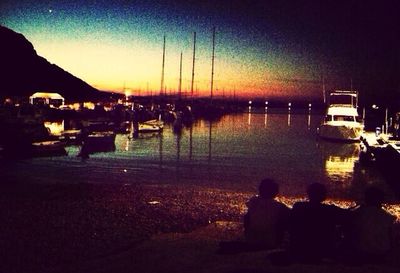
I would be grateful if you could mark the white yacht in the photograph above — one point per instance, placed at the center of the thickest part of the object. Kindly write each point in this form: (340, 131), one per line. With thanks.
(342, 122)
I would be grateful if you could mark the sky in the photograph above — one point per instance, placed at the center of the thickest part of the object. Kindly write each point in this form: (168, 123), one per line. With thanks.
(262, 48)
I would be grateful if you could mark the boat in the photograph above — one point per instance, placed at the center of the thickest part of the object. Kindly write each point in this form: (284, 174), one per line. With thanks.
(48, 148)
(383, 152)
(98, 125)
(24, 137)
(123, 128)
(96, 142)
(71, 137)
(150, 126)
(342, 122)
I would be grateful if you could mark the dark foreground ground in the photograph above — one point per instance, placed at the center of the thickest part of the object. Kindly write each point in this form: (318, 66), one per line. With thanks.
(128, 228)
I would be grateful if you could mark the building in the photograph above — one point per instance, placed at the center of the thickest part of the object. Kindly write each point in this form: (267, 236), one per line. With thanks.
(51, 99)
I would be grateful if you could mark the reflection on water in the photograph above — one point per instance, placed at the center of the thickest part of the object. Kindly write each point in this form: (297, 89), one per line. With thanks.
(238, 150)
(235, 152)
(249, 116)
(266, 117)
(339, 160)
(55, 127)
(190, 142)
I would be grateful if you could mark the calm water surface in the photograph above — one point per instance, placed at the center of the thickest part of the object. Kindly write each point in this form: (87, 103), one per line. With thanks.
(235, 152)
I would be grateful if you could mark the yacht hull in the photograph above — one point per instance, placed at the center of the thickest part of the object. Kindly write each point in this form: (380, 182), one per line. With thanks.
(340, 132)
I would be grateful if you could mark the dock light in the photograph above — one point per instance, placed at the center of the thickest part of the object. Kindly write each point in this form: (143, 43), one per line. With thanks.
(266, 102)
(309, 105)
(374, 106)
(250, 102)
(289, 104)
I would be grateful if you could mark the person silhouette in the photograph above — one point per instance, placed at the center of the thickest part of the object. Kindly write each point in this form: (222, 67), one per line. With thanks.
(264, 223)
(313, 233)
(371, 229)
(266, 219)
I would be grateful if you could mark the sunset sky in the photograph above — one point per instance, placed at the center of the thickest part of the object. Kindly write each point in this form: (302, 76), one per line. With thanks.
(262, 48)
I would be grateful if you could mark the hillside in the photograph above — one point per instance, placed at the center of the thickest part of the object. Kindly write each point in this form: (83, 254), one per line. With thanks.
(23, 72)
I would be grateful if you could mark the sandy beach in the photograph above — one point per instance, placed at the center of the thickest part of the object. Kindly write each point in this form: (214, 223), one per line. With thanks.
(131, 228)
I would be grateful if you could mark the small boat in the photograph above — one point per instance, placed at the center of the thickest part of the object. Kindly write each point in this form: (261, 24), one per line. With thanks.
(97, 142)
(342, 122)
(71, 137)
(382, 151)
(123, 128)
(150, 126)
(48, 148)
(98, 125)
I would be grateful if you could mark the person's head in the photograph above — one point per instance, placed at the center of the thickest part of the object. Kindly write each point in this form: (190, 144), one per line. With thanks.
(373, 196)
(316, 192)
(268, 188)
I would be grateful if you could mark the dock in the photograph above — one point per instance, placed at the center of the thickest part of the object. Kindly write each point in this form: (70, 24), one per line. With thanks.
(383, 151)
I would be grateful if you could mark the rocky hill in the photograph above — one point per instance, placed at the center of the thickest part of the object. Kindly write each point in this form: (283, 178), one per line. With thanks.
(23, 72)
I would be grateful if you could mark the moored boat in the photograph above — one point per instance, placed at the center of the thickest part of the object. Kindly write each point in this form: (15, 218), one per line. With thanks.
(149, 126)
(96, 142)
(48, 148)
(71, 137)
(342, 122)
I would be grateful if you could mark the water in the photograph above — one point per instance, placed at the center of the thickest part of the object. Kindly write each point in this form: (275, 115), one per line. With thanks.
(235, 153)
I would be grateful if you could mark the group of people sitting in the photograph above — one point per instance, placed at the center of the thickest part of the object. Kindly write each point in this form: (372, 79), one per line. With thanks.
(313, 231)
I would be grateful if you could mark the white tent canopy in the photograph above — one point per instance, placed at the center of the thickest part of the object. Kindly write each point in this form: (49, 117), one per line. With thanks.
(46, 96)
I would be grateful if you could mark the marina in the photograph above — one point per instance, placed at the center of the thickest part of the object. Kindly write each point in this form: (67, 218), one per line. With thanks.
(201, 136)
(197, 183)
(282, 143)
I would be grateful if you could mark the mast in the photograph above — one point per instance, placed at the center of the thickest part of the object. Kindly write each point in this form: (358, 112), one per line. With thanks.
(351, 84)
(180, 78)
(323, 89)
(212, 64)
(194, 58)
(162, 71)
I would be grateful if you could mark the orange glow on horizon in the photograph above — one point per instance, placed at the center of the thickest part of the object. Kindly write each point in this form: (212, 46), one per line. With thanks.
(136, 65)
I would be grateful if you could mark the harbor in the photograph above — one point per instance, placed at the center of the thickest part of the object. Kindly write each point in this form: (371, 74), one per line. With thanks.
(201, 136)
(177, 186)
(118, 192)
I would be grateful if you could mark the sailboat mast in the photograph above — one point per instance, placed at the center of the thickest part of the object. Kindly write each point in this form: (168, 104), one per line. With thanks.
(194, 59)
(180, 78)
(212, 64)
(351, 84)
(323, 89)
(162, 71)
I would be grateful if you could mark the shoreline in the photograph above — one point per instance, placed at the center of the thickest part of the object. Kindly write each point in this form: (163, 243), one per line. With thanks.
(48, 226)
(44, 225)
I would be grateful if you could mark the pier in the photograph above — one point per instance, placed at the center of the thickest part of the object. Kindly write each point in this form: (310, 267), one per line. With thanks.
(383, 152)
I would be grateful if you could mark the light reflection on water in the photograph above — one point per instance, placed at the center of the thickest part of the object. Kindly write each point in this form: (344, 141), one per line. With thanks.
(235, 152)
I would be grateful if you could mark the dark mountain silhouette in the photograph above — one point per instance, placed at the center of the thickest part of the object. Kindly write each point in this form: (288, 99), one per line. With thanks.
(23, 72)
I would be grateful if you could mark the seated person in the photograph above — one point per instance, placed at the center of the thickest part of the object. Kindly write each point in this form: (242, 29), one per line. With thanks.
(371, 229)
(265, 222)
(313, 226)
(266, 219)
